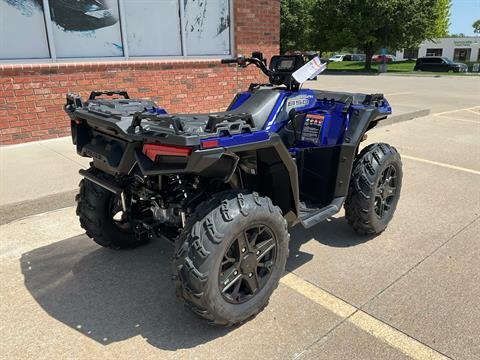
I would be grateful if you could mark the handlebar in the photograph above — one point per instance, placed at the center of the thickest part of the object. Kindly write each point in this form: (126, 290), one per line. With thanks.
(229, 61)
(244, 62)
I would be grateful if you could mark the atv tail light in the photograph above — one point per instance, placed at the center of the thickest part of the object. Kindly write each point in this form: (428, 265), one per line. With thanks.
(208, 144)
(152, 151)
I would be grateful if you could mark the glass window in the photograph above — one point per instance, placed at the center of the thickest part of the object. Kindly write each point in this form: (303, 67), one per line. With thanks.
(75, 29)
(207, 27)
(153, 27)
(432, 60)
(22, 30)
(434, 52)
(462, 54)
(410, 53)
(87, 28)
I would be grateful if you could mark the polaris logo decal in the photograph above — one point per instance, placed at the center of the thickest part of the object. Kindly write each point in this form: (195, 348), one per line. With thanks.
(299, 101)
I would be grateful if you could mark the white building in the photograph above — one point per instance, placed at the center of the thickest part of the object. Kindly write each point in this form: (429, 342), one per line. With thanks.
(456, 49)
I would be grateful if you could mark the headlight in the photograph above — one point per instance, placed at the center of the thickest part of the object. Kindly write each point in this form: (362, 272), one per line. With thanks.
(99, 14)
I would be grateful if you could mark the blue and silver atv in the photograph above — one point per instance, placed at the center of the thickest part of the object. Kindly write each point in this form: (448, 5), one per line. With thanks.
(226, 186)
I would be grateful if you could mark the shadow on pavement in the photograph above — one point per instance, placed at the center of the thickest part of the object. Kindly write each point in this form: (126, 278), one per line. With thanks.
(334, 232)
(111, 296)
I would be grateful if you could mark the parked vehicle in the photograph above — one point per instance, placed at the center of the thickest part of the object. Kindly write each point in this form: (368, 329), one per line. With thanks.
(338, 58)
(347, 57)
(225, 187)
(437, 63)
(382, 58)
(358, 57)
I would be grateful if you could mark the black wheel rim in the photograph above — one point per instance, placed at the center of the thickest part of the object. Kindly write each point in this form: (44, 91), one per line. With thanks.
(247, 264)
(386, 191)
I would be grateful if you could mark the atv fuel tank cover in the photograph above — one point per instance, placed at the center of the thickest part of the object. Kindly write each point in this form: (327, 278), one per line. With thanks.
(301, 102)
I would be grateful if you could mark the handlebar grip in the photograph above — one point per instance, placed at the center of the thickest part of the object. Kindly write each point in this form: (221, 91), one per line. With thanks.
(229, 61)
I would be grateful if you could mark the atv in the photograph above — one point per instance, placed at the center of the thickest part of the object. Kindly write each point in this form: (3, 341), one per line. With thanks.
(225, 187)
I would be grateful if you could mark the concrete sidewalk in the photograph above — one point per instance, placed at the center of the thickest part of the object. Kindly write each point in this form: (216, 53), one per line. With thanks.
(33, 170)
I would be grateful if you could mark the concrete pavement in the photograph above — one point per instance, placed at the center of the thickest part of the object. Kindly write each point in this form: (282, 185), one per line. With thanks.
(33, 170)
(411, 292)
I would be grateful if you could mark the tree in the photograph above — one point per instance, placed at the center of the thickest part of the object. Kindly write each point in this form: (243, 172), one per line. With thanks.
(296, 25)
(476, 27)
(373, 24)
(441, 13)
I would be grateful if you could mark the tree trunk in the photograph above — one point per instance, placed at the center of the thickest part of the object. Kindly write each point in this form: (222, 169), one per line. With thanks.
(368, 56)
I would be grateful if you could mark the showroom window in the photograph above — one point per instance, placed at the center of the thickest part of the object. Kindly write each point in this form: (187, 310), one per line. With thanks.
(62, 29)
(434, 52)
(462, 54)
(410, 53)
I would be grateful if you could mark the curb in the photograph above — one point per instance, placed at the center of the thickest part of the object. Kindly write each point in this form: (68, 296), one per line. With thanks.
(393, 119)
(346, 72)
(18, 210)
(404, 74)
(430, 75)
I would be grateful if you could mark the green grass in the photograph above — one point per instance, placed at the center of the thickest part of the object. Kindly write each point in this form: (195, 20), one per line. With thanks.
(358, 66)
(393, 67)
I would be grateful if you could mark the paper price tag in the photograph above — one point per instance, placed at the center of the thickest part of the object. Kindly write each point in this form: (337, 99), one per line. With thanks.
(309, 70)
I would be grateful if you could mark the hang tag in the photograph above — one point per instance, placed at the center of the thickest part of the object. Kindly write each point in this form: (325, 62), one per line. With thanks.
(309, 70)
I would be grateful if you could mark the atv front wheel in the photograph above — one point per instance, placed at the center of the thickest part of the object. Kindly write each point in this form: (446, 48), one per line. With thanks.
(99, 211)
(374, 189)
(230, 257)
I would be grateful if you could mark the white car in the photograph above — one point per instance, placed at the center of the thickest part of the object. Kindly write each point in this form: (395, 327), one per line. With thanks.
(336, 58)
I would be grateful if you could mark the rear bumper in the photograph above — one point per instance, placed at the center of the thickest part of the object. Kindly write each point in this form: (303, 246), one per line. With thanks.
(107, 185)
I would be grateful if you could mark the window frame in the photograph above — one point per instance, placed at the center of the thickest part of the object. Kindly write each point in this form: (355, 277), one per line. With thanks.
(434, 52)
(126, 56)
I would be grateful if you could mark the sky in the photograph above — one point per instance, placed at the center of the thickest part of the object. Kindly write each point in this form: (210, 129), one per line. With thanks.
(463, 14)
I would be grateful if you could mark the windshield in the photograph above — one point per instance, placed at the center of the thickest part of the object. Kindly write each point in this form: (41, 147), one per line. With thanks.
(336, 56)
(448, 61)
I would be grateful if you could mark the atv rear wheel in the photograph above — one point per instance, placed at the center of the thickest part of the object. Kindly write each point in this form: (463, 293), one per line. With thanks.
(374, 189)
(99, 211)
(230, 257)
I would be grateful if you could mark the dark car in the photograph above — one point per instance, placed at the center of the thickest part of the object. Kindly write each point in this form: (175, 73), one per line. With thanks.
(437, 63)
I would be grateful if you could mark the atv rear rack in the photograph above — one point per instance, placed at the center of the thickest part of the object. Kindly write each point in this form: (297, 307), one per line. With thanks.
(223, 124)
(170, 124)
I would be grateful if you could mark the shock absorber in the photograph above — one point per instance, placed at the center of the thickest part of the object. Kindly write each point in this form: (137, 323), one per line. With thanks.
(180, 189)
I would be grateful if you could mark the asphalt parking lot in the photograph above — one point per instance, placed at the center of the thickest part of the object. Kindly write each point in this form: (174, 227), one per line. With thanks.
(412, 292)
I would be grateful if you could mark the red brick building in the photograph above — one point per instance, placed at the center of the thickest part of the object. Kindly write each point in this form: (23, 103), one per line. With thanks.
(34, 79)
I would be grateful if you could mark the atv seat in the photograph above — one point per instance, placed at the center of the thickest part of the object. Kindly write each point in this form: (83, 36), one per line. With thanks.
(257, 107)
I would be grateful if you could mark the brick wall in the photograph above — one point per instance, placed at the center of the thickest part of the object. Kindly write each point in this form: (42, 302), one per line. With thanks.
(32, 95)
